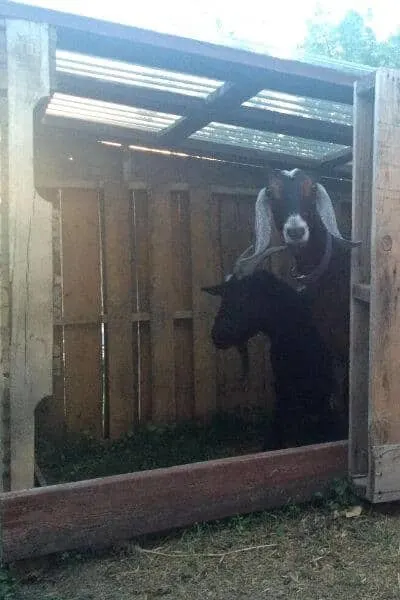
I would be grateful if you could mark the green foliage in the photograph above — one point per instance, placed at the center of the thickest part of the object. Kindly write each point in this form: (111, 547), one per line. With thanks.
(8, 587)
(340, 495)
(352, 39)
(151, 446)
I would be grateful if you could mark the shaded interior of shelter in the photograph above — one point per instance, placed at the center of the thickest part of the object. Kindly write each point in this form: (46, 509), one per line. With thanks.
(121, 150)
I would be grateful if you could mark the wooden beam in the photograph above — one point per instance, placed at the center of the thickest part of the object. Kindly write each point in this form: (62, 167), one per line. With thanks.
(339, 157)
(195, 147)
(218, 104)
(100, 512)
(304, 127)
(86, 35)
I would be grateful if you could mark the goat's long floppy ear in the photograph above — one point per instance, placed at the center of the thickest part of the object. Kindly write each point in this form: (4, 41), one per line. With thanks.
(247, 263)
(328, 217)
(214, 290)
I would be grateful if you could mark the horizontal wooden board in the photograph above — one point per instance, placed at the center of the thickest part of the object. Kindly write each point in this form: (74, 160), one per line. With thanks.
(99, 512)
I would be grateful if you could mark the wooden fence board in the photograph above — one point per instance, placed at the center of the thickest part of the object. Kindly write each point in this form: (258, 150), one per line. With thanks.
(161, 302)
(182, 301)
(121, 370)
(141, 250)
(81, 253)
(181, 251)
(99, 512)
(206, 270)
(143, 339)
(82, 302)
(184, 383)
(83, 398)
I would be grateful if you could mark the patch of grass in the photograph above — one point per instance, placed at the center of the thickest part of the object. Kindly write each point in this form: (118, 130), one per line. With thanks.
(149, 447)
(294, 553)
(8, 586)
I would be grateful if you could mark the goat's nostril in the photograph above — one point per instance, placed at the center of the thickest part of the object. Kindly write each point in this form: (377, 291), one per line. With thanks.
(296, 233)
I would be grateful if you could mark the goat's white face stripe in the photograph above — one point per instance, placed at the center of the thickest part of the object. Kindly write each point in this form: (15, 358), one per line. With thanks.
(291, 174)
(293, 222)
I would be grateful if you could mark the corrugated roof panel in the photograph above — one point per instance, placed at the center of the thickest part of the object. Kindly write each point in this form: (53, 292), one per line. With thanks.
(221, 133)
(301, 106)
(97, 111)
(134, 75)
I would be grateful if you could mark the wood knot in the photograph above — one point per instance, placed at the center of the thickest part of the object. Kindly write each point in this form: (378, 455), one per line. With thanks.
(386, 243)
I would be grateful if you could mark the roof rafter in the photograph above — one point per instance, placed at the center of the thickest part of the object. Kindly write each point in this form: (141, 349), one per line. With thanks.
(187, 106)
(230, 95)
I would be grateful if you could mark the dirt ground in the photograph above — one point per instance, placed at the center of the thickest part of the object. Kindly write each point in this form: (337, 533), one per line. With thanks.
(295, 553)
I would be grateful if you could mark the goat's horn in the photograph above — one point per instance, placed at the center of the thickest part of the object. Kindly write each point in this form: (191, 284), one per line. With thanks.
(328, 217)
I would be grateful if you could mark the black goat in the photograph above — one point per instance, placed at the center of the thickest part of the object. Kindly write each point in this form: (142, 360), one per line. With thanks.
(301, 362)
(302, 211)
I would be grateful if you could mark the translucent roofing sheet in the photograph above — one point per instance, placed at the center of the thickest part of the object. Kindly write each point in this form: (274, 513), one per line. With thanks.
(265, 141)
(74, 107)
(303, 107)
(134, 75)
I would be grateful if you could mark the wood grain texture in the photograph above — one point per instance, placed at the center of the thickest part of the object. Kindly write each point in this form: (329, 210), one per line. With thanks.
(29, 220)
(206, 270)
(121, 369)
(81, 253)
(385, 273)
(360, 276)
(99, 512)
(161, 303)
(82, 374)
(81, 268)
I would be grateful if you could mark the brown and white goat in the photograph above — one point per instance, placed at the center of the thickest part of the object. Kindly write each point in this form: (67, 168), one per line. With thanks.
(302, 212)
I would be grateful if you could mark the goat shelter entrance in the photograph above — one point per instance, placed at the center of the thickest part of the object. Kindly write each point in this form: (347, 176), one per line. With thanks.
(141, 165)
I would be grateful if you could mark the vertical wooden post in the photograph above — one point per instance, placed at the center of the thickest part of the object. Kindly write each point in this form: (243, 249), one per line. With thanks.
(384, 394)
(360, 279)
(30, 245)
(4, 276)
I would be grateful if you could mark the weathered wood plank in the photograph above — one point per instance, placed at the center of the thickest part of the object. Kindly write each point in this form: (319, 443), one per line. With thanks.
(184, 380)
(385, 466)
(121, 370)
(162, 302)
(82, 302)
(384, 417)
(182, 304)
(83, 394)
(141, 301)
(99, 512)
(206, 270)
(360, 276)
(29, 55)
(361, 292)
(81, 254)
